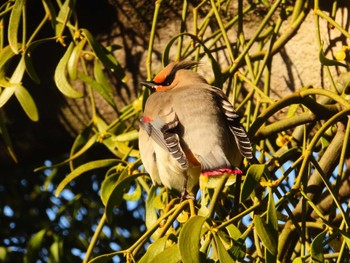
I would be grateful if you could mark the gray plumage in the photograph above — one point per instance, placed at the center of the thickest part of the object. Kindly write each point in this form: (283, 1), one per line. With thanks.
(188, 127)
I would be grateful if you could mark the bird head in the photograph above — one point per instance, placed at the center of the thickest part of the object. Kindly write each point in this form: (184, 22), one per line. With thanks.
(171, 75)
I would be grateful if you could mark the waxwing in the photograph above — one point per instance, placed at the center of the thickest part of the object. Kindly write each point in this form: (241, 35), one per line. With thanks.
(189, 128)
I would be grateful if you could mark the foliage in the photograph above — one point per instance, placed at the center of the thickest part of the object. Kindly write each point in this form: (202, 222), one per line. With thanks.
(292, 204)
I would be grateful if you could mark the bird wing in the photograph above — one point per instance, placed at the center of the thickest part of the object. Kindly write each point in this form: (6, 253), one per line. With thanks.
(238, 131)
(164, 134)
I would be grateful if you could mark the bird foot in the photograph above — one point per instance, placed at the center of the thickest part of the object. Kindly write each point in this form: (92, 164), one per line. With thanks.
(185, 195)
(221, 171)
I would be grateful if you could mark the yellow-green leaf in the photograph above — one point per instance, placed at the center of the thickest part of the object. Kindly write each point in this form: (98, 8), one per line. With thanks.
(154, 249)
(105, 56)
(151, 211)
(125, 149)
(168, 255)
(253, 176)
(7, 139)
(271, 218)
(116, 196)
(5, 55)
(50, 11)
(135, 195)
(28, 58)
(292, 110)
(62, 17)
(299, 260)
(266, 234)
(98, 87)
(128, 136)
(81, 141)
(27, 103)
(82, 169)
(189, 240)
(5, 95)
(60, 75)
(317, 247)
(72, 65)
(101, 77)
(13, 83)
(108, 186)
(106, 257)
(15, 19)
(224, 256)
(237, 249)
(34, 246)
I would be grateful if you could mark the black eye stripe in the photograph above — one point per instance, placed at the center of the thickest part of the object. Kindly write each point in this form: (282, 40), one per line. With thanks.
(169, 79)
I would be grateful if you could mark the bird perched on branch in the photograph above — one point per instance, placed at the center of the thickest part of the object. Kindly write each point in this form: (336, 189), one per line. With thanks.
(189, 128)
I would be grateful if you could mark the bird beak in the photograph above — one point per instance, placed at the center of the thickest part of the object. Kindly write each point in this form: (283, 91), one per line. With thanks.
(149, 84)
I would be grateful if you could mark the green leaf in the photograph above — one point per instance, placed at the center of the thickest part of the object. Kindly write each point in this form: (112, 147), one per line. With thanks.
(14, 82)
(81, 140)
(28, 58)
(151, 211)
(105, 56)
(253, 176)
(266, 234)
(34, 246)
(6, 54)
(72, 64)
(271, 218)
(74, 154)
(13, 25)
(233, 231)
(60, 75)
(106, 257)
(17, 75)
(116, 196)
(237, 249)
(128, 136)
(108, 185)
(101, 77)
(98, 87)
(189, 239)
(224, 256)
(5, 95)
(168, 255)
(3, 254)
(317, 247)
(56, 250)
(272, 223)
(7, 139)
(292, 110)
(299, 260)
(50, 10)
(27, 103)
(62, 17)
(82, 169)
(119, 146)
(159, 201)
(134, 195)
(154, 249)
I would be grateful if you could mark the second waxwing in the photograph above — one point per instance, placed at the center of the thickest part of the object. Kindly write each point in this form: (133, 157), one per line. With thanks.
(189, 128)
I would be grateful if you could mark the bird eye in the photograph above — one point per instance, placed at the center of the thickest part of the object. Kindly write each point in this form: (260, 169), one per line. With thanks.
(168, 80)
